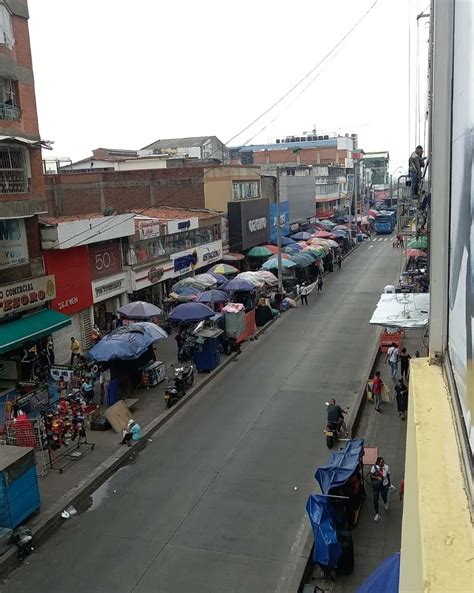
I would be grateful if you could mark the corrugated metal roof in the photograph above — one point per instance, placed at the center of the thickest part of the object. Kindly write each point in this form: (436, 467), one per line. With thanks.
(292, 145)
(178, 142)
(161, 212)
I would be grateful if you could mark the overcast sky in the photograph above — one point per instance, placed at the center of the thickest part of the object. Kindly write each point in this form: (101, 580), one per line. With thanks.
(123, 73)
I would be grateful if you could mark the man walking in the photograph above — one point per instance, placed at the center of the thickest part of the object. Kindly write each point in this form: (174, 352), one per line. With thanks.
(404, 363)
(75, 349)
(380, 479)
(377, 386)
(320, 283)
(393, 354)
(415, 166)
(339, 260)
(304, 294)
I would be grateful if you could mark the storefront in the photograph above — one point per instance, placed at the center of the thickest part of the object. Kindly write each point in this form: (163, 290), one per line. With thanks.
(152, 284)
(109, 283)
(73, 298)
(249, 224)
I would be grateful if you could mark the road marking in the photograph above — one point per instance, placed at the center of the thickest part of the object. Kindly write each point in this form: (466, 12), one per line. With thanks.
(370, 246)
(385, 239)
(380, 239)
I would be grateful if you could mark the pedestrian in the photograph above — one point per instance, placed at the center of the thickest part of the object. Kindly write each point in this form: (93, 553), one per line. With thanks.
(401, 392)
(377, 386)
(339, 261)
(75, 349)
(88, 390)
(50, 350)
(393, 354)
(95, 334)
(401, 241)
(404, 363)
(133, 432)
(304, 294)
(415, 166)
(380, 479)
(44, 363)
(320, 283)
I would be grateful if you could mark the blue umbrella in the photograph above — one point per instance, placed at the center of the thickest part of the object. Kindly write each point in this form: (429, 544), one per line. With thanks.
(127, 342)
(327, 549)
(339, 233)
(291, 249)
(385, 577)
(187, 291)
(213, 296)
(238, 284)
(302, 236)
(285, 241)
(221, 279)
(189, 312)
(139, 310)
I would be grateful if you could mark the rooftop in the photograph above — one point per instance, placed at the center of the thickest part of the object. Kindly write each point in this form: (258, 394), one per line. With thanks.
(166, 213)
(178, 142)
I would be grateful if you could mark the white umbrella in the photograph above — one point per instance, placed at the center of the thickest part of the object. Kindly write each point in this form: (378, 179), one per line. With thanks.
(268, 277)
(207, 279)
(252, 277)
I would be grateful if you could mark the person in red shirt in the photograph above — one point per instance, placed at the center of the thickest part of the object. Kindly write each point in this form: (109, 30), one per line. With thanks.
(377, 387)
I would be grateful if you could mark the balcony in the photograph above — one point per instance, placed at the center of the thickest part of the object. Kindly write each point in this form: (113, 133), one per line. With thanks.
(9, 112)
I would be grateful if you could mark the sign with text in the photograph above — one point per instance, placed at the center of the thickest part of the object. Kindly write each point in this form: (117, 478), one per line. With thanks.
(13, 242)
(248, 223)
(181, 226)
(284, 220)
(147, 227)
(73, 278)
(109, 287)
(26, 294)
(105, 259)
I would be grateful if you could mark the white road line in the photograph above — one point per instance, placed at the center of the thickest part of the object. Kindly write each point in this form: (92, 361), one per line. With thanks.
(385, 239)
(380, 239)
(370, 246)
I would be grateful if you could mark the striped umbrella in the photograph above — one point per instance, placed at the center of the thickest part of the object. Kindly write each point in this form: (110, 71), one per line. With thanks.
(224, 269)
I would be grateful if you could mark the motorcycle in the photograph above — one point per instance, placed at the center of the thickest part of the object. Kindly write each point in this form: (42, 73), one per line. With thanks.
(332, 431)
(183, 379)
(22, 538)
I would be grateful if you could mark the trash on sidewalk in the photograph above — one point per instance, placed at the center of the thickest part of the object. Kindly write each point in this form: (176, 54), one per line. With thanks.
(71, 510)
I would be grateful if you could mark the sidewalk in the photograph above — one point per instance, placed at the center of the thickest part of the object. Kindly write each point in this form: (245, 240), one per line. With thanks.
(373, 542)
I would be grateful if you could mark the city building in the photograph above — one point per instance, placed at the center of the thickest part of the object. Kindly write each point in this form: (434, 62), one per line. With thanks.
(199, 147)
(376, 165)
(437, 542)
(25, 288)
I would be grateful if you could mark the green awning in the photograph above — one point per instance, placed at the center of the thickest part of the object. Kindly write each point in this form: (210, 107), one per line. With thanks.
(32, 327)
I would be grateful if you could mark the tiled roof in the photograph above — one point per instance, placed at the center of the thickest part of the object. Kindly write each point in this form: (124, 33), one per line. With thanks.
(70, 218)
(178, 142)
(161, 212)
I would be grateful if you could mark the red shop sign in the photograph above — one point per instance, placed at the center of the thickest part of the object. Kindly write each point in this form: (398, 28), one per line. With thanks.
(105, 259)
(73, 278)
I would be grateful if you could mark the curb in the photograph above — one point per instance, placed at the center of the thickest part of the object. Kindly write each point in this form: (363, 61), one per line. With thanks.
(50, 518)
(300, 563)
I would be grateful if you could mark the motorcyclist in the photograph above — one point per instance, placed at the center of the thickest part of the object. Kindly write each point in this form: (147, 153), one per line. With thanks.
(336, 415)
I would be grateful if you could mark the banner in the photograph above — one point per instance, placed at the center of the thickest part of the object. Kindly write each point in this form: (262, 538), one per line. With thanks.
(27, 294)
(13, 243)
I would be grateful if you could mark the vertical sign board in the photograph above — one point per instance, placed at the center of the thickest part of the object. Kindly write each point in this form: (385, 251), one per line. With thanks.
(284, 220)
(105, 259)
(249, 223)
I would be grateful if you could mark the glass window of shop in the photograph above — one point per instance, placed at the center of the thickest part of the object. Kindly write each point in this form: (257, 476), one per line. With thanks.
(143, 251)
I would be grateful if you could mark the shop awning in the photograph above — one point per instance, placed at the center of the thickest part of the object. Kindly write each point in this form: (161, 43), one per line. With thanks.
(402, 310)
(32, 327)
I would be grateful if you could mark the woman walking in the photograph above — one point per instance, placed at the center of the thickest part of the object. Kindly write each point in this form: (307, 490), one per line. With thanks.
(380, 478)
(401, 391)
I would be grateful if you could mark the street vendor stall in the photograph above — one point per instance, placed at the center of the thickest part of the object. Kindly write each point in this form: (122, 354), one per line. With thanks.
(206, 354)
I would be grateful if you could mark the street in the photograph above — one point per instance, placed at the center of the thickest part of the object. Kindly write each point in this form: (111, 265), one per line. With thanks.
(216, 499)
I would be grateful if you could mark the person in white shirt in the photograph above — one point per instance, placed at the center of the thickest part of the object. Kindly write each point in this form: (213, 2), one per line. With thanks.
(393, 356)
(380, 478)
(303, 292)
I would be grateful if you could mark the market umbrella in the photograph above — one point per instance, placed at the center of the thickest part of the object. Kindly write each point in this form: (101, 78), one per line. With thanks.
(213, 296)
(420, 243)
(340, 227)
(139, 310)
(340, 233)
(321, 234)
(272, 264)
(189, 312)
(302, 261)
(268, 277)
(224, 269)
(291, 249)
(260, 251)
(233, 257)
(327, 548)
(318, 250)
(328, 223)
(415, 253)
(309, 254)
(207, 279)
(238, 284)
(191, 282)
(273, 248)
(302, 236)
(332, 243)
(187, 291)
(219, 277)
(127, 342)
(287, 241)
(386, 577)
(253, 277)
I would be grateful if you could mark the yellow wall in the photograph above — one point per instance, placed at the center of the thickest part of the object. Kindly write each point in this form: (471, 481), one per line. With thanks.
(437, 554)
(218, 184)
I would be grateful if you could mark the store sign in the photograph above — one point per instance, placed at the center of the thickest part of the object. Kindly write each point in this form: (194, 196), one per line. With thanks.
(284, 220)
(13, 242)
(181, 226)
(8, 370)
(155, 274)
(148, 228)
(27, 294)
(248, 223)
(73, 278)
(105, 259)
(212, 255)
(110, 287)
(185, 261)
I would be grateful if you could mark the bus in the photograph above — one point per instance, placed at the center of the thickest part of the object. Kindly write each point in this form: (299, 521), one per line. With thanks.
(385, 222)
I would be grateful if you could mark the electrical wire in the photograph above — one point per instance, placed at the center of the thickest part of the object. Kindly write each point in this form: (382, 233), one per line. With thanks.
(328, 55)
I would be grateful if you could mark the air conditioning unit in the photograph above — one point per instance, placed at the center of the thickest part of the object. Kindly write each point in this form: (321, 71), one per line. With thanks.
(326, 138)
(320, 137)
(278, 140)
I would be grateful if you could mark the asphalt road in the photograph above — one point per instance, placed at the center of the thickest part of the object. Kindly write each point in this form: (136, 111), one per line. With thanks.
(216, 500)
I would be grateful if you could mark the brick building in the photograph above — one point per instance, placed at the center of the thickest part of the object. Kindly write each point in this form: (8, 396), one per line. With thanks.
(25, 290)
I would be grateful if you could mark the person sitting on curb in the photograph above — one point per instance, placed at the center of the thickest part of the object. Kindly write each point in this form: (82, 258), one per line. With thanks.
(133, 432)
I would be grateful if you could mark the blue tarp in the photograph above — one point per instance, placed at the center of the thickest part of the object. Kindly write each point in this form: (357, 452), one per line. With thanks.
(327, 548)
(340, 467)
(385, 577)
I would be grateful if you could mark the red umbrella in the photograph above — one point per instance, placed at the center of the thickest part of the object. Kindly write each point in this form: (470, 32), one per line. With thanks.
(272, 248)
(322, 234)
(415, 253)
(232, 257)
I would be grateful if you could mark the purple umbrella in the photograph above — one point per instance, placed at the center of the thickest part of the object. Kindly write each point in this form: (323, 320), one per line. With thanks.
(286, 241)
(139, 310)
(189, 312)
(213, 296)
(221, 279)
(238, 284)
(302, 236)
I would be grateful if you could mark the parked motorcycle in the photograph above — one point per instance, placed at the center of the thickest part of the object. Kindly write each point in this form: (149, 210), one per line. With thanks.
(333, 430)
(22, 539)
(183, 379)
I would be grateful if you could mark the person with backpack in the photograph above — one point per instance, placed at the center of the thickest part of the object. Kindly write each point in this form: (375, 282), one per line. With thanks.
(393, 356)
(380, 479)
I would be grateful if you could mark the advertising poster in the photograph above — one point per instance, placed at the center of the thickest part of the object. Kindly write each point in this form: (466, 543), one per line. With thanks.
(13, 242)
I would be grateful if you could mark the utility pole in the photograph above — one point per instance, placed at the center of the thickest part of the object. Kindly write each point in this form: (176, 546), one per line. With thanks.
(280, 265)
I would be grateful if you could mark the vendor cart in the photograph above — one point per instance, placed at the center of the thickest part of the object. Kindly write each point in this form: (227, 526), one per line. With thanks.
(206, 354)
(151, 374)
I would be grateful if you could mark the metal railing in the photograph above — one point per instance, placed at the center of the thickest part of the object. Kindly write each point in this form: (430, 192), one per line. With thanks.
(9, 112)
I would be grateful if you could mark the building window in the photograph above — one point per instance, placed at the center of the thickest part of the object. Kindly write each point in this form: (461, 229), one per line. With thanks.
(13, 170)
(9, 109)
(6, 30)
(291, 172)
(244, 190)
